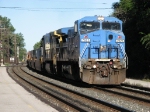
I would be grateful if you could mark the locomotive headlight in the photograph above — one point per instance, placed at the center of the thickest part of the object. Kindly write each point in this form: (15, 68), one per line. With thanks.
(94, 66)
(110, 37)
(100, 18)
(115, 66)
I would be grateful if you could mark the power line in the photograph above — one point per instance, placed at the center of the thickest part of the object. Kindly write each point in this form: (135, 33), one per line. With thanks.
(11, 7)
(55, 9)
(76, 2)
(50, 8)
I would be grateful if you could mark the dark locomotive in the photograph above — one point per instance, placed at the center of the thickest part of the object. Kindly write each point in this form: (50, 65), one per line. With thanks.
(93, 51)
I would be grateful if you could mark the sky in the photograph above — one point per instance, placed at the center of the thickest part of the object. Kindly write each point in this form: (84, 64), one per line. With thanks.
(35, 18)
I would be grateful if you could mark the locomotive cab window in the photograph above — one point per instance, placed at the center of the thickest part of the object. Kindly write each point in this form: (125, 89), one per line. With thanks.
(111, 26)
(86, 27)
(47, 38)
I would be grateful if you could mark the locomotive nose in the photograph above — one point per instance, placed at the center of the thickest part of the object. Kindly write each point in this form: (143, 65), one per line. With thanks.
(98, 45)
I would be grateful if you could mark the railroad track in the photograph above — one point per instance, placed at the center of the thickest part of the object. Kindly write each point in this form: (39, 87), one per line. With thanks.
(135, 87)
(67, 99)
(138, 100)
(142, 96)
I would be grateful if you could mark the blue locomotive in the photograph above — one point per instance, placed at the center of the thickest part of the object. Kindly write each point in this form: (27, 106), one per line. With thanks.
(93, 51)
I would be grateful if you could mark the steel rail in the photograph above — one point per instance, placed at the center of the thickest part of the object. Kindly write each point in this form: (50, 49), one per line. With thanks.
(125, 95)
(133, 90)
(119, 108)
(136, 87)
(49, 91)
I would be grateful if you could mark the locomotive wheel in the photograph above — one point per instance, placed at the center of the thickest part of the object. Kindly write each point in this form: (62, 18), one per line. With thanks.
(54, 69)
(59, 69)
(75, 71)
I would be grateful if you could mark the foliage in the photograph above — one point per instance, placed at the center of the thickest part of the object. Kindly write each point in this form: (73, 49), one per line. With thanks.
(10, 39)
(20, 40)
(7, 23)
(23, 53)
(146, 40)
(37, 45)
(135, 14)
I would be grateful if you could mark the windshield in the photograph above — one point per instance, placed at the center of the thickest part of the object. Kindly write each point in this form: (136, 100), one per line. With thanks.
(111, 26)
(86, 27)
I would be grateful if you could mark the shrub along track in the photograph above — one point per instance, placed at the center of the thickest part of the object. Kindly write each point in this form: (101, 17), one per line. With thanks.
(61, 98)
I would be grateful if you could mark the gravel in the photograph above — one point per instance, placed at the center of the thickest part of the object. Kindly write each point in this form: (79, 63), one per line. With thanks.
(97, 95)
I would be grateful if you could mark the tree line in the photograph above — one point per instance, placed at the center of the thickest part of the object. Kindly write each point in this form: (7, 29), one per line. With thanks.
(9, 40)
(135, 15)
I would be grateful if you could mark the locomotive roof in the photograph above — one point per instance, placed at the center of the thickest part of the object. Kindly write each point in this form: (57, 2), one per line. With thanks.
(62, 31)
(95, 18)
(46, 35)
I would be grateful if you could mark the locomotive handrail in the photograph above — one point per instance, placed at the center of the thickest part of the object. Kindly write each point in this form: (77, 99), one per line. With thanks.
(83, 50)
(125, 55)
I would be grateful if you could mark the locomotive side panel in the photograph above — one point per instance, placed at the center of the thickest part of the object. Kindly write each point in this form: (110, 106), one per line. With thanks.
(29, 58)
(38, 59)
(33, 59)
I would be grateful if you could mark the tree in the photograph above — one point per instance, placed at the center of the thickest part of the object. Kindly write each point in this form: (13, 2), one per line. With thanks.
(146, 40)
(135, 14)
(7, 23)
(37, 45)
(9, 39)
(23, 54)
(20, 43)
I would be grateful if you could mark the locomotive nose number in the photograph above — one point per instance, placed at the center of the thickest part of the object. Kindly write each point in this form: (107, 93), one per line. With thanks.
(119, 40)
(85, 40)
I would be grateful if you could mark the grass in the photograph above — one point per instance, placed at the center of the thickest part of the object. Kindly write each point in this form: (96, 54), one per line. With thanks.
(142, 77)
(133, 84)
(147, 80)
(6, 64)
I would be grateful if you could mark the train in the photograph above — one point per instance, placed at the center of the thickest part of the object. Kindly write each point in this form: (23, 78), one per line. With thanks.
(92, 50)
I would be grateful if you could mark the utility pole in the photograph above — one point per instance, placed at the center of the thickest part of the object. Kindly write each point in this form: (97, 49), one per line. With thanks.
(8, 49)
(7, 46)
(0, 44)
(15, 51)
(2, 28)
(17, 54)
